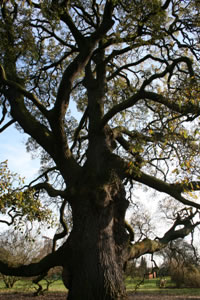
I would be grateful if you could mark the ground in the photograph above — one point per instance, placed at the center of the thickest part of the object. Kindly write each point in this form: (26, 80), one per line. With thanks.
(62, 296)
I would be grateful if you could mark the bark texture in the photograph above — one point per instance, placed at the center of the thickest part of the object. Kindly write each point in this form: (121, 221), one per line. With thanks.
(96, 243)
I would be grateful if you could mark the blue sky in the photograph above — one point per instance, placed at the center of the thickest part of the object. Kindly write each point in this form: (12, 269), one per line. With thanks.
(12, 148)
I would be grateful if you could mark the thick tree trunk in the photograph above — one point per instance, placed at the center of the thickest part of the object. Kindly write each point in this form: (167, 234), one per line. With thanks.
(95, 259)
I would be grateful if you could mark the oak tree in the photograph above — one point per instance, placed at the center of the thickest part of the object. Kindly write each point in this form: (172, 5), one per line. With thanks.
(131, 70)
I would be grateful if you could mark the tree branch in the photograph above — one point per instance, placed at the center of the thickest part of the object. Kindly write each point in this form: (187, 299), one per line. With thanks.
(166, 4)
(142, 94)
(13, 217)
(187, 186)
(86, 50)
(64, 225)
(44, 174)
(134, 134)
(44, 137)
(121, 106)
(22, 91)
(78, 129)
(79, 38)
(169, 69)
(34, 269)
(183, 108)
(49, 189)
(126, 66)
(106, 23)
(150, 246)
(7, 125)
(172, 190)
(30, 125)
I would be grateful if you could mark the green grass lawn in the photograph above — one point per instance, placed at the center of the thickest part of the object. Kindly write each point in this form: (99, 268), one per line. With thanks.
(28, 286)
(150, 286)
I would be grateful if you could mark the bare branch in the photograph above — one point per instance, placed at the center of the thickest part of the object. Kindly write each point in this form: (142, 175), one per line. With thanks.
(7, 125)
(78, 129)
(13, 217)
(49, 189)
(166, 4)
(161, 186)
(64, 225)
(152, 246)
(44, 174)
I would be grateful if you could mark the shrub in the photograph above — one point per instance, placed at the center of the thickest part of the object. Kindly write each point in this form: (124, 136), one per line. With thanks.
(187, 276)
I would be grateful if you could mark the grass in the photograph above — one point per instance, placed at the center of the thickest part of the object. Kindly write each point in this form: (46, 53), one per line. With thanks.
(27, 286)
(150, 286)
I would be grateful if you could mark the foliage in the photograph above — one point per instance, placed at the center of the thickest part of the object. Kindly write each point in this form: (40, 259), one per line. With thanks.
(129, 72)
(181, 263)
(185, 276)
(17, 202)
(137, 268)
(17, 248)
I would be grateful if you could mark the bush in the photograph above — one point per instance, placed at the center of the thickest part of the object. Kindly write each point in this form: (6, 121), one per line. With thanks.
(192, 277)
(177, 275)
(187, 276)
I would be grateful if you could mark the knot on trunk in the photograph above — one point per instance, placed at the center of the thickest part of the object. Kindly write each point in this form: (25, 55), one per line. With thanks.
(103, 196)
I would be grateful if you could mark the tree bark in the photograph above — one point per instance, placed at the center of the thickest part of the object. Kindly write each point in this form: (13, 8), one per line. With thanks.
(94, 268)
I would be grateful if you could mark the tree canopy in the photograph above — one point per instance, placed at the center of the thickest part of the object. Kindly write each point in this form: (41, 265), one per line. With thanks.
(108, 92)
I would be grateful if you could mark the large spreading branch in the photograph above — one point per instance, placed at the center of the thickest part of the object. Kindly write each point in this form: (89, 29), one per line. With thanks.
(173, 190)
(151, 246)
(183, 108)
(144, 94)
(86, 47)
(34, 269)
(43, 136)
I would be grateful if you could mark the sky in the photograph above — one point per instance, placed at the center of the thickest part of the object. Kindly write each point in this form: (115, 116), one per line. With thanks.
(13, 149)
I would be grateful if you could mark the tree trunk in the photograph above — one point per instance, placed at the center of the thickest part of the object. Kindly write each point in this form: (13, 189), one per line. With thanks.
(95, 260)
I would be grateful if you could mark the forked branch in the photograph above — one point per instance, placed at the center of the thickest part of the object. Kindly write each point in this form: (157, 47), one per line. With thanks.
(152, 246)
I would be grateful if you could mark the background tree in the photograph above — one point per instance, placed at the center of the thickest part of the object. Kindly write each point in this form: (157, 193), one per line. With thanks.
(143, 268)
(131, 69)
(24, 247)
(181, 262)
(18, 248)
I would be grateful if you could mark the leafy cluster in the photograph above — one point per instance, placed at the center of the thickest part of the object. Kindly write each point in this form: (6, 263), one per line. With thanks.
(17, 202)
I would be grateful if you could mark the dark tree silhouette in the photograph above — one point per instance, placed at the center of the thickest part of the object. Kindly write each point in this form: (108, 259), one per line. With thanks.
(131, 68)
